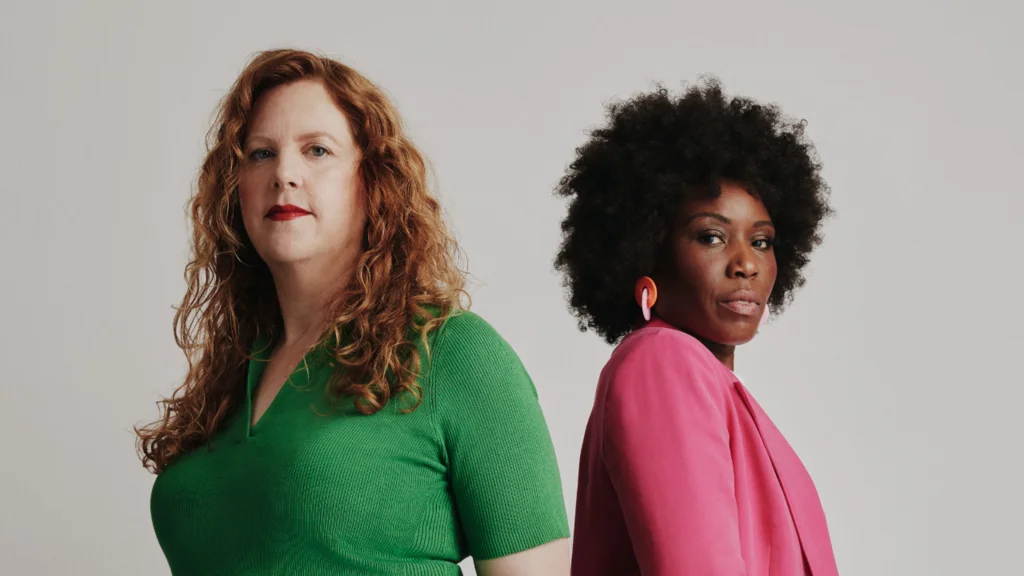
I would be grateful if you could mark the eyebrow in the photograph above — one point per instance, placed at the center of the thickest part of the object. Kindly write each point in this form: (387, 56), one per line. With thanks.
(724, 220)
(306, 136)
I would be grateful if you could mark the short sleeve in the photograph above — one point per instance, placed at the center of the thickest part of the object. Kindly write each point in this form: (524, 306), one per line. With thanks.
(665, 445)
(501, 460)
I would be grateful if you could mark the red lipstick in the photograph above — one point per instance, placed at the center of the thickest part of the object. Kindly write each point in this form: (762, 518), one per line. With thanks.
(280, 213)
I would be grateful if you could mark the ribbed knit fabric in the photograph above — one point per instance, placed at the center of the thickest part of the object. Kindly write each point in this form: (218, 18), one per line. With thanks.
(309, 491)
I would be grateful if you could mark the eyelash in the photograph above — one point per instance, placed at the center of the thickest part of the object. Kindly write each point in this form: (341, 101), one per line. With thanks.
(254, 155)
(707, 237)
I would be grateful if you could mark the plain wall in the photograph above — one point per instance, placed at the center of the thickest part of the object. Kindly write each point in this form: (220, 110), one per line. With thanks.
(892, 374)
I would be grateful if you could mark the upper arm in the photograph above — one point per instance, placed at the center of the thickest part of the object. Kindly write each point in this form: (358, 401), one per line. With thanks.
(502, 465)
(551, 559)
(666, 449)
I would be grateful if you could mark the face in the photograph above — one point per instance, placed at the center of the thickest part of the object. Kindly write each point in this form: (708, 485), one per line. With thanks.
(721, 268)
(299, 191)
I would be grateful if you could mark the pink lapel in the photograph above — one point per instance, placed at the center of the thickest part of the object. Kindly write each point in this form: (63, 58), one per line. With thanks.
(803, 499)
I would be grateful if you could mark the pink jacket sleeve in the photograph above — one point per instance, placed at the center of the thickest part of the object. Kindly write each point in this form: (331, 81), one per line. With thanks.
(666, 449)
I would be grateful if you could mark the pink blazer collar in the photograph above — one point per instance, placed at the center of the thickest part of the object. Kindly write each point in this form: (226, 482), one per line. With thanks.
(801, 495)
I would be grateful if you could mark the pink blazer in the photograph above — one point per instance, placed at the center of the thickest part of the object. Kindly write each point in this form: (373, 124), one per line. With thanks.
(683, 474)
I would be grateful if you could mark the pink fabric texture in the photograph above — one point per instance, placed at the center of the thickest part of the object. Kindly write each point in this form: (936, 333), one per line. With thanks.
(682, 473)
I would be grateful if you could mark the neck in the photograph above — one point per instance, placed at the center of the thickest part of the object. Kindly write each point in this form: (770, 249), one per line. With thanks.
(725, 353)
(304, 290)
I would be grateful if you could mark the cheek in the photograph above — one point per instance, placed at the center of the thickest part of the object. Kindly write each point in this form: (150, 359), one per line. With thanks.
(692, 300)
(699, 272)
(772, 269)
(249, 197)
(340, 201)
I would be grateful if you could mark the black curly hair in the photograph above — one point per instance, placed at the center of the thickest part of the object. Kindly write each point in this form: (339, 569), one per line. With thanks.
(632, 177)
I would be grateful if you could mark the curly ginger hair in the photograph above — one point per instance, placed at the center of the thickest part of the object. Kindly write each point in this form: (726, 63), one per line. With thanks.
(406, 280)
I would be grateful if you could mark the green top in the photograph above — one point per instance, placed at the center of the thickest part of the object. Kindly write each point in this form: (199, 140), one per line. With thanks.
(471, 471)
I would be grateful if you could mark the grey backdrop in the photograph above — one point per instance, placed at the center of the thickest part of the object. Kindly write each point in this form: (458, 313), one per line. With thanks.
(893, 374)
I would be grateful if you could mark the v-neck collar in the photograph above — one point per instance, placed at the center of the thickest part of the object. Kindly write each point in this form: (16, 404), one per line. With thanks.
(303, 372)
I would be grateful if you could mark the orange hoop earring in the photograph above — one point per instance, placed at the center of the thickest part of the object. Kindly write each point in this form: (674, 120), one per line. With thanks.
(646, 293)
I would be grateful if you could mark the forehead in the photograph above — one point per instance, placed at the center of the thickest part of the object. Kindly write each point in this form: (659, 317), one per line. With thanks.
(734, 202)
(296, 108)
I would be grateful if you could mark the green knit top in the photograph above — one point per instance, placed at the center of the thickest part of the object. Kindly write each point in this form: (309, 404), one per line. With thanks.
(311, 491)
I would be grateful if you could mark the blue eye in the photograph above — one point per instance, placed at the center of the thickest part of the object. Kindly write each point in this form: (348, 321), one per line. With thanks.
(260, 154)
(319, 151)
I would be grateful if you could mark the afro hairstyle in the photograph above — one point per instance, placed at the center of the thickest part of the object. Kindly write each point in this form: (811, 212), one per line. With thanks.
(628, 182)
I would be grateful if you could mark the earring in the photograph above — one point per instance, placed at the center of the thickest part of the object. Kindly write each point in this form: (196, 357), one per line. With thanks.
(767, 313)
(646, 293)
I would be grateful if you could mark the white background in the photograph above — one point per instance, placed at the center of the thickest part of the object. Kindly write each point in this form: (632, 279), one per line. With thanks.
(893, 374)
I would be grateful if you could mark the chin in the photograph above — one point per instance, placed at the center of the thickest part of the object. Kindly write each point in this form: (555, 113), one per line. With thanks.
(735, 335)
(733, 341)
(286, 254)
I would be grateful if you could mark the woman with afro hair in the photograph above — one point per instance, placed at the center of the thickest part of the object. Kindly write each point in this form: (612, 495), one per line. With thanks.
(690, 217)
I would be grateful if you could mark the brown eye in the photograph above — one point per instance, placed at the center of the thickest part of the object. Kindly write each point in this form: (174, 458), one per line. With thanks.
(710, 238)
(764, 243)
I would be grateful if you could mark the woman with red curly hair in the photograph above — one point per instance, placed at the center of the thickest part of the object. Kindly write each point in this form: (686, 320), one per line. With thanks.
(343, 412)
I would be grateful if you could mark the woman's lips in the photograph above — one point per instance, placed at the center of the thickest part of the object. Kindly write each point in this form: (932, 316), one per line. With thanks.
(286, 212)
(741, 307)
(279, 216)
(743, 302)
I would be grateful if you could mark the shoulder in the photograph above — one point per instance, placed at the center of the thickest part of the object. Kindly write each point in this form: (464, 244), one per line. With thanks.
(462, 325)
(664, 347)
(469, 356)
(464, 335)
(661, 362)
